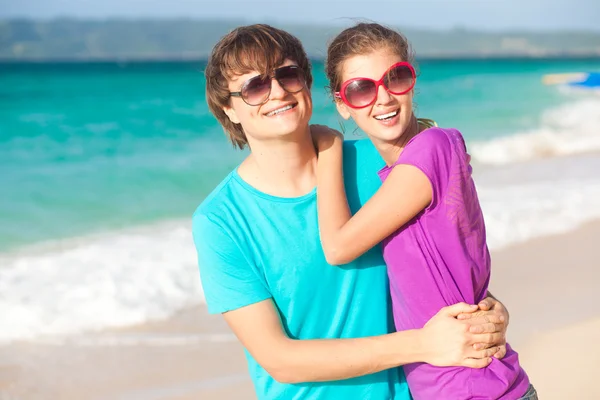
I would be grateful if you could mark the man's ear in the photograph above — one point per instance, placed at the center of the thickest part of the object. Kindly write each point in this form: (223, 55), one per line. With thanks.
(342, 109)
(231, 114)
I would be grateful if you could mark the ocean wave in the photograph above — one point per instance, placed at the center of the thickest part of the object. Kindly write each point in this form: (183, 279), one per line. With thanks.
(517, 213)
(91, 283)
(148, 273)
(572, 128)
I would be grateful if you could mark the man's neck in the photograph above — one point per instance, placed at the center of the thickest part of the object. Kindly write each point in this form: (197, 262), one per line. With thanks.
(282, 168)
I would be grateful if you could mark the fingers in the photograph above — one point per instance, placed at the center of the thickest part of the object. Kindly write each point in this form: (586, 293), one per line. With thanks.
(476, 363)
(485, 353)
(501, 352)
(481, 317)
(488, 327)
(458, 308)
(486, 304)
(484, 317)
(464, 316)
(480, 340)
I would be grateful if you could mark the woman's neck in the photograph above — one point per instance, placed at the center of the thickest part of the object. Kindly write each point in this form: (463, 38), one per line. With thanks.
(390, 151)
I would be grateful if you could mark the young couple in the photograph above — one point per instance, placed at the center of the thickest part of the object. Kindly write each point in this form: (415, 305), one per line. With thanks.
(322, 312)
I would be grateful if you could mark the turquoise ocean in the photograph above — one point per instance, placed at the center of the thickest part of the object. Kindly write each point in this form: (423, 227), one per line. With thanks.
(103, 164)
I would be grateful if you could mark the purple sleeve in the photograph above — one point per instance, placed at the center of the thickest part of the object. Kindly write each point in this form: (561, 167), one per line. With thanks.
(431, 152)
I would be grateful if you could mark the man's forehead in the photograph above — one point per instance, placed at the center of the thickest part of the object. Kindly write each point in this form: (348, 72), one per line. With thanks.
(235, 77)
(242, 76)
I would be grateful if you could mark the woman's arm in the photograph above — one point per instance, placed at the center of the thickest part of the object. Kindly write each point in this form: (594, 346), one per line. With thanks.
(405, 193)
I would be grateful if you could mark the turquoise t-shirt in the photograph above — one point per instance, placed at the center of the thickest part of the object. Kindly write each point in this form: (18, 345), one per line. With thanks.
(253, 246)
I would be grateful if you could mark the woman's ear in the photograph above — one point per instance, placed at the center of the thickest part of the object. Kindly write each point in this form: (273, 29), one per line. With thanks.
(342, 109)
(231, 114)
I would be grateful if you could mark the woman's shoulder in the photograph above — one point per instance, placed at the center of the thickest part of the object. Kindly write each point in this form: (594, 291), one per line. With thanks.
(438, 137)
(436, 145)
(430, 136)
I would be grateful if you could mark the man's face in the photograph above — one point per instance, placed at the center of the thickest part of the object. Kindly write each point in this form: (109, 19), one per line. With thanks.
(281, 117)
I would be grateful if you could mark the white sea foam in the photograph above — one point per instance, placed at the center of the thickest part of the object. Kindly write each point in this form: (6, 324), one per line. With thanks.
(517, 213)
(133, 276)
(524, 200)
(572, 128)
(95, 282)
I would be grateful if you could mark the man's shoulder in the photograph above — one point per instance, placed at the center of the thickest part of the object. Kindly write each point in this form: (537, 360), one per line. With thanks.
(361, 163)
(216, 199)
(361, 152)
(359, 145)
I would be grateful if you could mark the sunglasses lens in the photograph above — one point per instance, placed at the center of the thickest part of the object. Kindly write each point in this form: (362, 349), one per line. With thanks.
(360, 92)
(256, 90)
(290, 78)
(400, 79)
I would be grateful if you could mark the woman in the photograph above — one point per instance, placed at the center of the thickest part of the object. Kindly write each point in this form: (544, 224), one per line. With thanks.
(426, 212)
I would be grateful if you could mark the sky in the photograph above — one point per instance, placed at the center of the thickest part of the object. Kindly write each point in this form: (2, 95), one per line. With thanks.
(532, 15)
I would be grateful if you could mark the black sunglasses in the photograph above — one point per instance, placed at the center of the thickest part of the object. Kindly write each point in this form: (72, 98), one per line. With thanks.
(256, 91)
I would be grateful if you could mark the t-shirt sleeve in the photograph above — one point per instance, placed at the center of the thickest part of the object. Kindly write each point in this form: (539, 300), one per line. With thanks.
(228, 279)
(431, 152)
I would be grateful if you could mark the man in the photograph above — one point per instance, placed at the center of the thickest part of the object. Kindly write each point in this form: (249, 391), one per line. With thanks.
(310, 330)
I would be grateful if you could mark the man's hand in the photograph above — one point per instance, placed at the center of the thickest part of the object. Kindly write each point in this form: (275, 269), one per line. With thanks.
(490, 303)
(324, 138)
(450, 342)
(491, 315)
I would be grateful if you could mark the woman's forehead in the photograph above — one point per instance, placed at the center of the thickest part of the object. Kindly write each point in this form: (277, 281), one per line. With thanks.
(371, 65)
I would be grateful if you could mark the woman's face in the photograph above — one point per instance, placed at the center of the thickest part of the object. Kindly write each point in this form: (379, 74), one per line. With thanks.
(390, 115)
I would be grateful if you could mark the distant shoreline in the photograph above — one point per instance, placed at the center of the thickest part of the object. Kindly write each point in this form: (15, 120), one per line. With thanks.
(76, 40)
(184, 59)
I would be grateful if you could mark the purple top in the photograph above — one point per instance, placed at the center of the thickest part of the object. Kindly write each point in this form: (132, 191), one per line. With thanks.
(440, 258)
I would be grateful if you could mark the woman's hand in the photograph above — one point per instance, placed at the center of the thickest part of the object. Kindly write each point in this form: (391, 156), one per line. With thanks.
(325, 138)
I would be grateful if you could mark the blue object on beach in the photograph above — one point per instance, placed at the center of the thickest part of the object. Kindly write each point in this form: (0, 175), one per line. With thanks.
(592, 81)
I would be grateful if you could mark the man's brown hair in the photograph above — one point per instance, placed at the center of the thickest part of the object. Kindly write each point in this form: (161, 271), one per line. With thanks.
(249, 48)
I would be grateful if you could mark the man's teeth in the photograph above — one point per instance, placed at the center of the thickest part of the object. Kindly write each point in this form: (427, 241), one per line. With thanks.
(386, 116)
(279, 110)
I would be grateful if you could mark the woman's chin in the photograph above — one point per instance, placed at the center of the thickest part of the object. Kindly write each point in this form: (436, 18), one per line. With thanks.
(387, 133)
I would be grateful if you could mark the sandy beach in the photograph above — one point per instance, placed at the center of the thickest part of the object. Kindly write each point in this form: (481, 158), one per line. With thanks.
(548, 284)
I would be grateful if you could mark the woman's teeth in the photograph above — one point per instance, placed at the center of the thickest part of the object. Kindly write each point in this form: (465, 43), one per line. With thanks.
(386, 116)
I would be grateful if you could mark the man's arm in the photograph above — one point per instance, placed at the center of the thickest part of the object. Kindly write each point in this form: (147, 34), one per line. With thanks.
(233, 288)
(444, 341)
